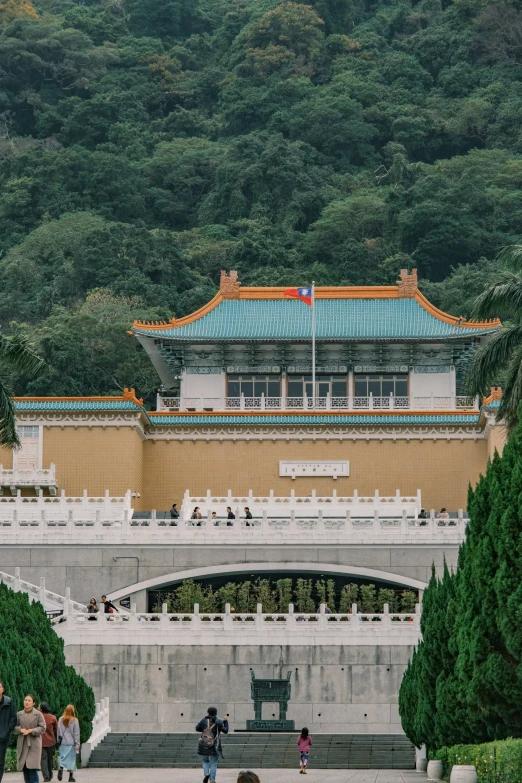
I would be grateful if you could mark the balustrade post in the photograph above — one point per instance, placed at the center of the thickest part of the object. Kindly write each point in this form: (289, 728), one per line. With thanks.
(97, 521)
(320, 523)
(354, 613)
(164, 616)
(133, 620)
(67, 603)
(404, 522)
(242, 402)
(291, 619)
(375, 523)
(196, 619)
(263, 405)
(392, 403)
(283, 401)
(259, 617)
(264, 523)
(16, 586)
(328, 402)
(370, 401)
(305, 402)
(322, 616)
(227, 620)
(386, 620)
(42, 591)
(292, 528)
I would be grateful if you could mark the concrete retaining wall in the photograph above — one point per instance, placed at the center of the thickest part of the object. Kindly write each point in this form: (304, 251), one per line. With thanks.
(353, 689)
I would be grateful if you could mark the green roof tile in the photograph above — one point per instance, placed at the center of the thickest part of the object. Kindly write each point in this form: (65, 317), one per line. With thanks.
(75, 405)
(336, 319)
(326, 418)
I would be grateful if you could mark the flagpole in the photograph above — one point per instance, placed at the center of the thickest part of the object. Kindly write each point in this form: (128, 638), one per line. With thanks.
(313, 344)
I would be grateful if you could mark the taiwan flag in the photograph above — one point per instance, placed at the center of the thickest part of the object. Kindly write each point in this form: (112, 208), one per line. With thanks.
(304, 294)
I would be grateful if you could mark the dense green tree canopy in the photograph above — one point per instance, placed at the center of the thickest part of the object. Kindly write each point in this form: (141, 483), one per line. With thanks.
(464, 683)
(144, 147)
(32, 661)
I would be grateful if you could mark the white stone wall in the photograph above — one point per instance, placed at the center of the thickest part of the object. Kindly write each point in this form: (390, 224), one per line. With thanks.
(440, 384)
(212, 385)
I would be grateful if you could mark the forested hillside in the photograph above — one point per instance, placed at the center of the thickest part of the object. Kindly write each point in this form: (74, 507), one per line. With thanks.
(147, 144)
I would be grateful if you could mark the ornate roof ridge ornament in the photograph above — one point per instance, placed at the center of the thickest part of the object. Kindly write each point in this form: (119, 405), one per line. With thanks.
(229, 285)
(408, 284)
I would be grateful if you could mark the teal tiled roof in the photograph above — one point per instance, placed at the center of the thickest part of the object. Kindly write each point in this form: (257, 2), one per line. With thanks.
(197, 419)
(336, 319)
(75, 405)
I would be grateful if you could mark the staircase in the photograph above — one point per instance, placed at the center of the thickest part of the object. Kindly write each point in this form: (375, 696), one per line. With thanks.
(257, 750)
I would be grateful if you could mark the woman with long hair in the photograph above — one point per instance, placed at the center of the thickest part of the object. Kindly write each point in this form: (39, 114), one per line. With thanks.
(69, 741)
(30, 725)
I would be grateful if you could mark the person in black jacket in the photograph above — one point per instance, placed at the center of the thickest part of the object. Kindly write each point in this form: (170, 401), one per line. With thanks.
(7, 724)
(210, 757)
(230, 517)
(108, 605)
(248, 515)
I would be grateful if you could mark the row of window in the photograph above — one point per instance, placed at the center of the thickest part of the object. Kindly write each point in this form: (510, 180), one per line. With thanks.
(325, 385)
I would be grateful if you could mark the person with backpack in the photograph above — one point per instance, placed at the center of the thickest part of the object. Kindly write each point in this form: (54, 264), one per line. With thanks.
(304, 743)
(209, 747)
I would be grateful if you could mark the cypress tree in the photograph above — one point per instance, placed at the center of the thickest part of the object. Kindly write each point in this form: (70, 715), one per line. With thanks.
(32, 660)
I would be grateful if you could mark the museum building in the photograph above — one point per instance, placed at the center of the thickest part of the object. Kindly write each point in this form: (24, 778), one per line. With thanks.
(236, 408)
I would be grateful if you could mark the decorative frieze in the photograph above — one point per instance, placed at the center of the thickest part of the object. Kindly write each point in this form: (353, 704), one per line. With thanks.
(387, 368)
(259, 368)
(193, 369)
(307, 368)
(431, 368)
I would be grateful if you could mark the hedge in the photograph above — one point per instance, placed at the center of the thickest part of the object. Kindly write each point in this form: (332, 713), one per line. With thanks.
(10, 760)
(495, 762)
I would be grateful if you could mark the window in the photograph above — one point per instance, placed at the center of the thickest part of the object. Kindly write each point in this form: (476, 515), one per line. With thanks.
(254, 385)
(301, 386)
(381, 385)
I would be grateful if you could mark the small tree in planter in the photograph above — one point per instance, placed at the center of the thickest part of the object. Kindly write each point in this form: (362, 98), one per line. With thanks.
(409, 600)
(386, 596)
(303, 593)
(368, 599)
(284, 589)
(349, 596)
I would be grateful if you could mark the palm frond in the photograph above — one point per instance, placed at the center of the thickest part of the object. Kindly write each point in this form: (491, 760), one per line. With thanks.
(491, 358)
(511, 256)
(512, 392)
(8, 436)
(503, 299)
(17, 352)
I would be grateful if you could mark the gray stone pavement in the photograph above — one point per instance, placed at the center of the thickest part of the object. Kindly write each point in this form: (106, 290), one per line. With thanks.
(230, 776)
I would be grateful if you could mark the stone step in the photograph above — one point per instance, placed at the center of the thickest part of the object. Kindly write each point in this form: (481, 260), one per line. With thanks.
(261, 750)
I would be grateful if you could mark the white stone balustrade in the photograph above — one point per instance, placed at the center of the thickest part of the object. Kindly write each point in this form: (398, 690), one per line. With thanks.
(260, 532)
(310, 505)
(62, 511)
(14, 478)
(282, 403)
(250, 628)
(52, 602)
(100, 728)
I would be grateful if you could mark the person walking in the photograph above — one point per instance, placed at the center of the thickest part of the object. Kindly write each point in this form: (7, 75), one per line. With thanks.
(69, 739)
(93, 609)
(230, 517)
(174, 515)
(304, 743)
(248, 515)
(49, 741)
(209, 746)
(7, 724)
(30, 725)
(247, 777)
(108, 606)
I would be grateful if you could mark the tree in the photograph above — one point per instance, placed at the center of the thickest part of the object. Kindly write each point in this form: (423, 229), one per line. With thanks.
(463, 682)
(16, 355)
(504, 351)
(33, 661)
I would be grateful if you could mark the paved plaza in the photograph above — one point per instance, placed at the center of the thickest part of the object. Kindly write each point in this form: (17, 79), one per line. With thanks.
(230, 776)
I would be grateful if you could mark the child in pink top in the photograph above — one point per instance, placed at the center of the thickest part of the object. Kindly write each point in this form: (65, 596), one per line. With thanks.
(304, 743)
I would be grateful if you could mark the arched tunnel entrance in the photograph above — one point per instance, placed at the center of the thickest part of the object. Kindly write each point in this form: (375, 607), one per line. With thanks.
(147, 593)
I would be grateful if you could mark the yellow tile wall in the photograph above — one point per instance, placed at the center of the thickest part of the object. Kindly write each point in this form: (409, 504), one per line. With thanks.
(6, 458)
(442, 470)
(497, 440)
(95, 459)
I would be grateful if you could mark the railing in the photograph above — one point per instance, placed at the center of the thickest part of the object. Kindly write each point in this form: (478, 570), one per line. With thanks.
(246, 628)
(34, 477)
(49, 600)
(64, 512)
(427, 403)
(158, 528)
(100, 728)
(280, 506)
